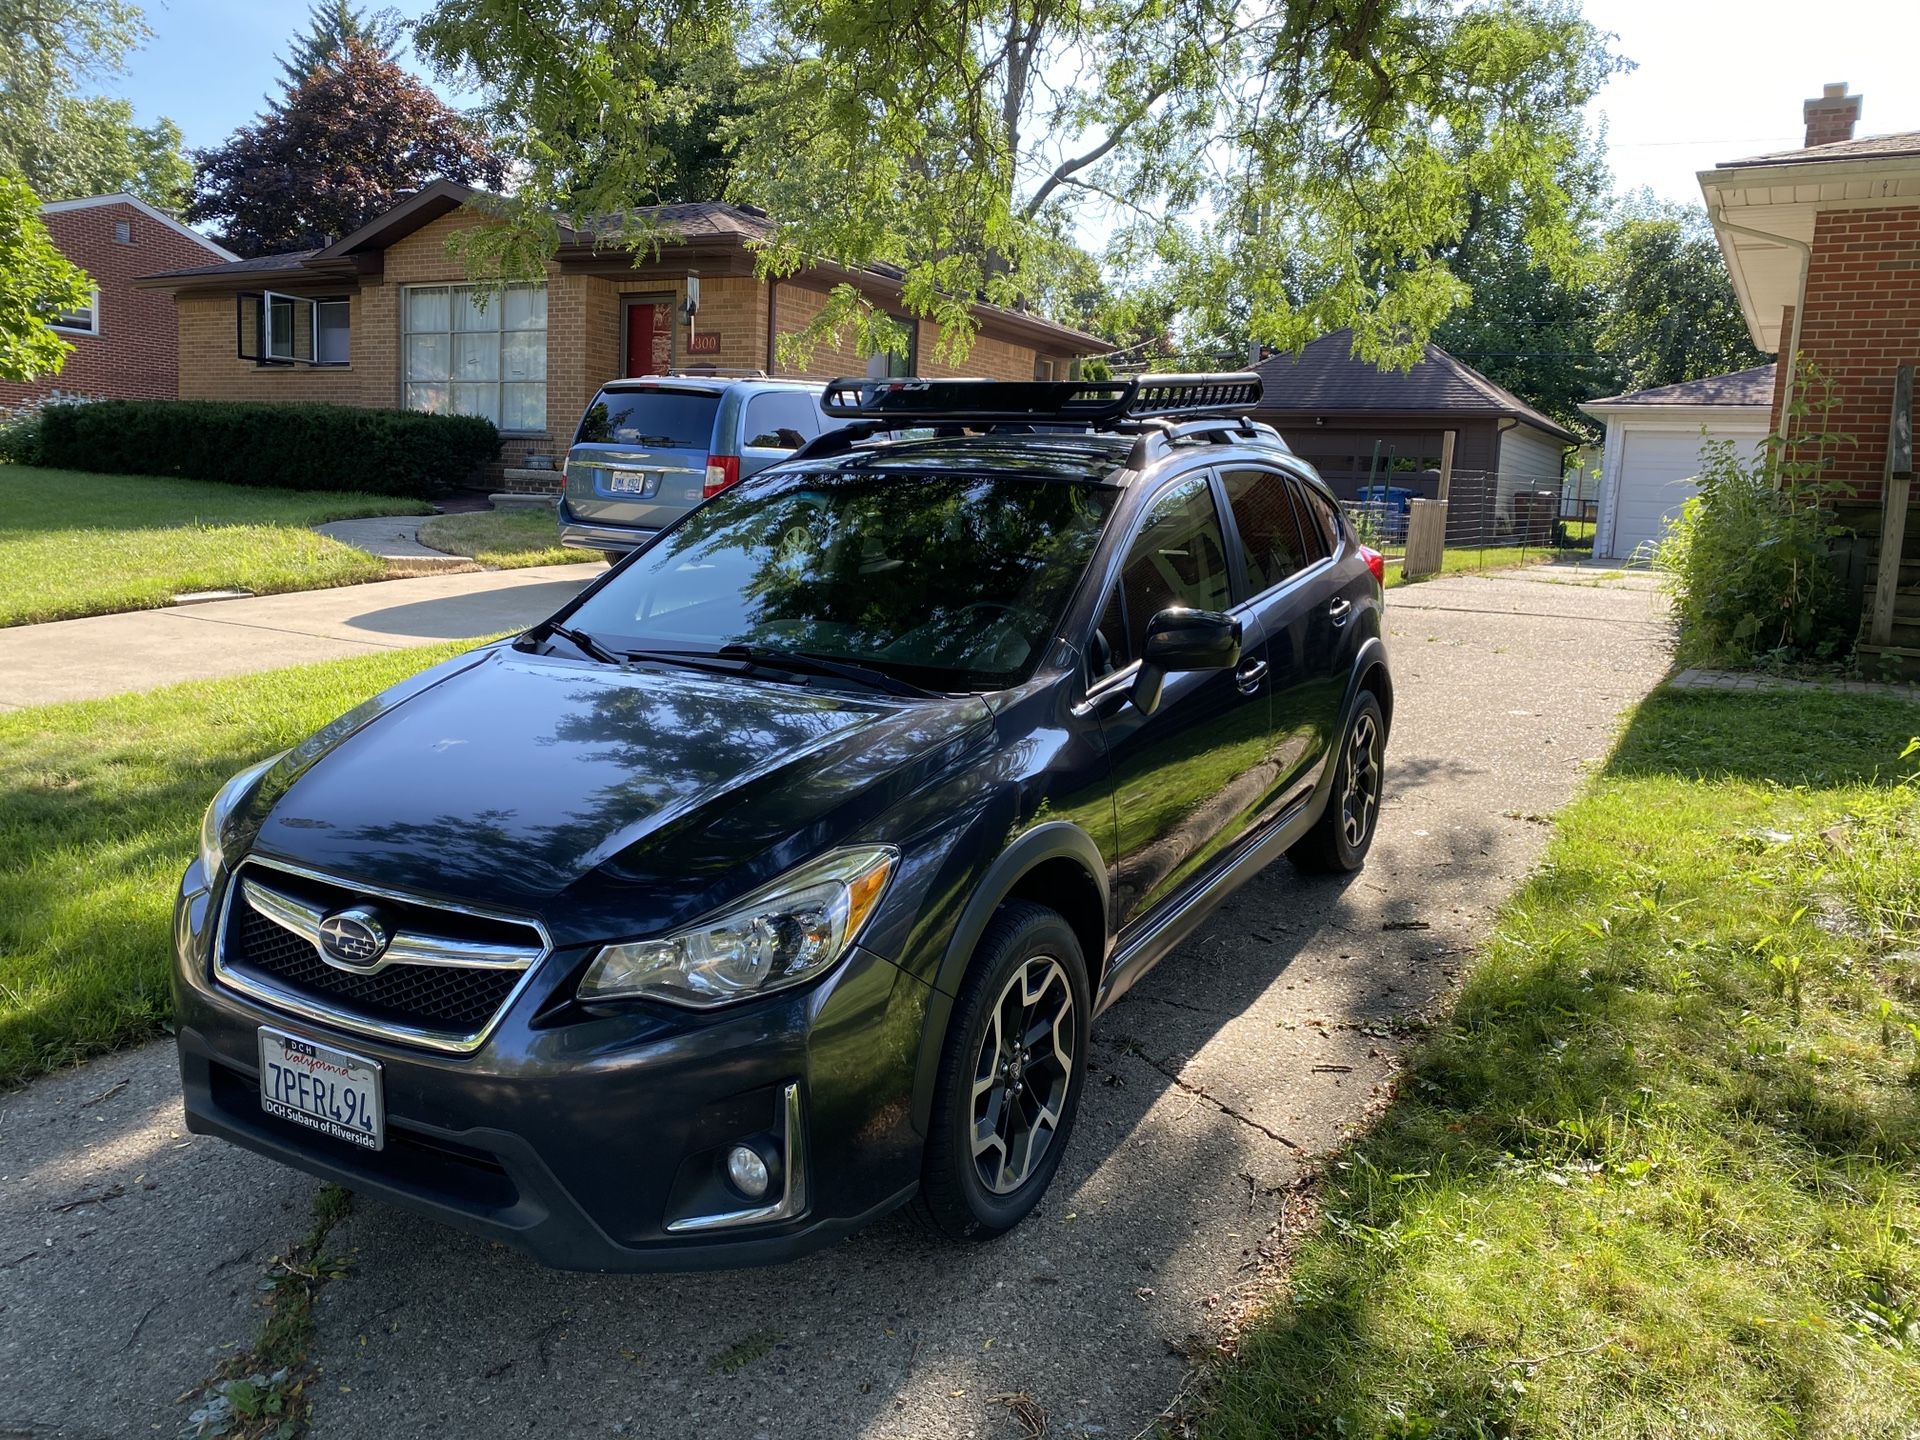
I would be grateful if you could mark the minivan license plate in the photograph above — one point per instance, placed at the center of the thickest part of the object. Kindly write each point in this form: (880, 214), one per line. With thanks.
(627, 482)
(322, 1088)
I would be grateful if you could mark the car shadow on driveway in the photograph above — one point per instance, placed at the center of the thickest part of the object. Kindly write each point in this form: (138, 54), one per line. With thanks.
(462, 617)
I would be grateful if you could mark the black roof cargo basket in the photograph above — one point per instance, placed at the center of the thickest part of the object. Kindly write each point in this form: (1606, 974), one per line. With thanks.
(911, 402)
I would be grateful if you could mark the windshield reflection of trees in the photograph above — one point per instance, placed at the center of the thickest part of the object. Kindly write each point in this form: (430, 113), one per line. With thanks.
(941, 573)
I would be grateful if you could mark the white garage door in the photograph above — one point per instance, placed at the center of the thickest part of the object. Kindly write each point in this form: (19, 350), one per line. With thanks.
(1656, 478)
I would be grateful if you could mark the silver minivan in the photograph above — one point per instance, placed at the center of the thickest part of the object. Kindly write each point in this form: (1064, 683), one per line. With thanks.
(652, 447)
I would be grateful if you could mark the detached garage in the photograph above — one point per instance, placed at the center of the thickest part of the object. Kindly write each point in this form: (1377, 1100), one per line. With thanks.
(1652, 453)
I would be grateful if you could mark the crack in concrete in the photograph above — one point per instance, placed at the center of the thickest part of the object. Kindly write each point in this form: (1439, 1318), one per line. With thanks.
(1133, 1047)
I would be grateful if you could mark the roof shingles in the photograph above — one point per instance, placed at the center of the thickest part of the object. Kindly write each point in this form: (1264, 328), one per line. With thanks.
(1752, 387)
(1327, 378)
(1868, 147)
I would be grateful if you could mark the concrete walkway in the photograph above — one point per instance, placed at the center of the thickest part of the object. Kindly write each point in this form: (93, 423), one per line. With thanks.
(111, 654)
(396, 538)
(132, 1255)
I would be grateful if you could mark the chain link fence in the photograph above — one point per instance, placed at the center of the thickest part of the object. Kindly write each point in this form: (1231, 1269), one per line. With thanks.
(1491, 520)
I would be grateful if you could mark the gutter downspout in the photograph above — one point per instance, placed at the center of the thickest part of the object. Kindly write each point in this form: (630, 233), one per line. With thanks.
(1718, 214)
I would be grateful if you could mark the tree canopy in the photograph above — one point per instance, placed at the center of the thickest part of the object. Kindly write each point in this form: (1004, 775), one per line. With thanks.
(66, 144)
(37, 283)
(1670, 311)
(331, 25)
(1234, 145)
(353, 138)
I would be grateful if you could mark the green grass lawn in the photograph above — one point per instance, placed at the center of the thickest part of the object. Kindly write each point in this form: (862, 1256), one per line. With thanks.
(76, 544)
(1659, 1172)
(504, 539)
(100, 805)
(1496, 557)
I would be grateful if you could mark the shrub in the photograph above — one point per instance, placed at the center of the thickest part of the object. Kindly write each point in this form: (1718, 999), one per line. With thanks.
(20, 427)
(1750, 566)
(292, 447)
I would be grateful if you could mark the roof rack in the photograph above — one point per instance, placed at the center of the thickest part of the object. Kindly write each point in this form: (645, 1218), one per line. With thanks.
(914, 402)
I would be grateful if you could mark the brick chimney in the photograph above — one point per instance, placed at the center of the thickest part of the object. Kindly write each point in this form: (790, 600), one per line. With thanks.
(1831, 118)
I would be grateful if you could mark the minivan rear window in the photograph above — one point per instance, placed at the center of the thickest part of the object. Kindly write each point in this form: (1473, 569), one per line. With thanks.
(660, 418)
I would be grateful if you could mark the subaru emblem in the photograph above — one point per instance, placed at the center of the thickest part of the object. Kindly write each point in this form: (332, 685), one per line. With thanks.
(353, 939)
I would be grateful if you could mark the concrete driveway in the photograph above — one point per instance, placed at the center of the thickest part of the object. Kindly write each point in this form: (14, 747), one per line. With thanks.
(132, 1255)
(146, 648)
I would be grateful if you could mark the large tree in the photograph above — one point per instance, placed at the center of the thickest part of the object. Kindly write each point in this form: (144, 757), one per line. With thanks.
(353, 138)
(37, 283)
(68, 144)
(331, 26)
(1340, 143)
(1670, 311)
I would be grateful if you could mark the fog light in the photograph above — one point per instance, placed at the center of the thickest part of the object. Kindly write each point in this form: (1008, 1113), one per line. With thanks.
(747, 1171)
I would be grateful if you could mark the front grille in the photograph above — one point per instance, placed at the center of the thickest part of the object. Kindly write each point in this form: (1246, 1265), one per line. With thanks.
(449, 1001)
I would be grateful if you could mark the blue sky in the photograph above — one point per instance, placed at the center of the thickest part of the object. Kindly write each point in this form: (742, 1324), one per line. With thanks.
(1716, 80)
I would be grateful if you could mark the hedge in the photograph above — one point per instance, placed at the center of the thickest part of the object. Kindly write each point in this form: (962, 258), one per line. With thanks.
(291, 447)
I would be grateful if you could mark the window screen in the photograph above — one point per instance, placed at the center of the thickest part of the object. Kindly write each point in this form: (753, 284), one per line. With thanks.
(1273, 538)
(1178, 558)
(331, 336)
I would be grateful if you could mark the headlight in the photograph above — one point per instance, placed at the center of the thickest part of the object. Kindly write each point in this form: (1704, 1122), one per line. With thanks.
(780, 935)
(213, 855)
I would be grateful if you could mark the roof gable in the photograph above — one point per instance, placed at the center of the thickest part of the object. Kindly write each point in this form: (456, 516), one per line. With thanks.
(1327, 378)
(90, 202)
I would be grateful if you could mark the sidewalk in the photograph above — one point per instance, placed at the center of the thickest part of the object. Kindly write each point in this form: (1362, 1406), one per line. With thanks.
(110, 654)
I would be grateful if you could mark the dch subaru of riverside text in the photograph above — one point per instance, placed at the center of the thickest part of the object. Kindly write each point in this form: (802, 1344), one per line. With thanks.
(776, 880)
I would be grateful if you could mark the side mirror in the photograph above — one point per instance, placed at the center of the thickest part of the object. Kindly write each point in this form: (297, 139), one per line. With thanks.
(1181, 640)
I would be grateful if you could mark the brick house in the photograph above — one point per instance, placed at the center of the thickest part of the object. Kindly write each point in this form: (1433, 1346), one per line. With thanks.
(385, 317)
(125, 343)
(1823, 244)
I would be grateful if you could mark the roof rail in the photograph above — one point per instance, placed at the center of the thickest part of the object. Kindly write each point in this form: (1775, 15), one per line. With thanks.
(912, 402)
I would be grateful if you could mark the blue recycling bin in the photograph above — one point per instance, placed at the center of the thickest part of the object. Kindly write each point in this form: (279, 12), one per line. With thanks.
(1392, 503)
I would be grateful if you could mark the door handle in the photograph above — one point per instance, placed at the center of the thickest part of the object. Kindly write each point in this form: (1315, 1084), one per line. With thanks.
(1340, 611)
(1249, 676)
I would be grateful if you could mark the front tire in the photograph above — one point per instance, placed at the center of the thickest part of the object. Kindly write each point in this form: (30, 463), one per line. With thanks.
(1340, 839)
(1010, 1076)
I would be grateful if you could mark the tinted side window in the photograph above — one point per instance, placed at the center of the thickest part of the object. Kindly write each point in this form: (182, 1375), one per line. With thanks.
(1273, 537)
(1179, 557)
(1319, 512)
(780, 420)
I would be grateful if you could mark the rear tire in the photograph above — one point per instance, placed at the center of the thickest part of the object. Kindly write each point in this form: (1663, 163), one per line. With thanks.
(1339, 840)
(1010, 1076)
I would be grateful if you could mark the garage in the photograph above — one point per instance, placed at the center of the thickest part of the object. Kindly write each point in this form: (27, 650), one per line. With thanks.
(1653, 451)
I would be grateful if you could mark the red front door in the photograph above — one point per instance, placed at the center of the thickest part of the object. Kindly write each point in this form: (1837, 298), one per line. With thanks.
(648, 339)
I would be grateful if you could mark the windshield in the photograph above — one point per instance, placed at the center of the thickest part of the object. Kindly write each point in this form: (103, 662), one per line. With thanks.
(671, 419)
(954, 582)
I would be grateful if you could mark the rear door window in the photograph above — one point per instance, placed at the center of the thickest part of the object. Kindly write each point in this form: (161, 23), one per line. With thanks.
(780, 420)
(1276, 536)
(653, 418)
(1319, 512)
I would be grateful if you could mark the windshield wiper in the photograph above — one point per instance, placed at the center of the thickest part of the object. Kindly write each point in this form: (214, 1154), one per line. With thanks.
(799, 661)
(583, 642)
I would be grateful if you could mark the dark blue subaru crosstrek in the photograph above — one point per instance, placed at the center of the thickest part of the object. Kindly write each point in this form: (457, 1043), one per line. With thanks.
(776, 880)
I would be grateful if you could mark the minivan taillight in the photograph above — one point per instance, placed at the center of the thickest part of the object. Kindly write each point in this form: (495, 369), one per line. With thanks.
(1376, 562)
(722, 471)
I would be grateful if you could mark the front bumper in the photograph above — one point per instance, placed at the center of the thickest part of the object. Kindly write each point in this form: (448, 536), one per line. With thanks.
(583, 1138)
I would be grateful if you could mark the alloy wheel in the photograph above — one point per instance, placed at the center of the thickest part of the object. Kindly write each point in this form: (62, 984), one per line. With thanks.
(1022, 1073)
(1360, 804)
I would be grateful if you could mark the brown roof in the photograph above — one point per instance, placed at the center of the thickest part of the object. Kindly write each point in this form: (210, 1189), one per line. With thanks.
(1326, 378)
(1742, 387)
(287, 260)
(1870, 147)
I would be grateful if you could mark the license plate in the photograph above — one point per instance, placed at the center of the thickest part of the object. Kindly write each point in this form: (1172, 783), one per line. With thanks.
(627, 482)
(322, 1088)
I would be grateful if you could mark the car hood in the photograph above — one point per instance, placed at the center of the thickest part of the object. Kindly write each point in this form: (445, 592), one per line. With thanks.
(608, 802)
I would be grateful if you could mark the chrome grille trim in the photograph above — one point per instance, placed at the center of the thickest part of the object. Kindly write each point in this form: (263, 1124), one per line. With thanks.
(286, 1002)
(406, 948)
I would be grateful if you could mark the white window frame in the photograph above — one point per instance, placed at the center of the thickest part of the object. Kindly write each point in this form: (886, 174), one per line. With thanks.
(92, 327)
(347, 305)
(497, 304)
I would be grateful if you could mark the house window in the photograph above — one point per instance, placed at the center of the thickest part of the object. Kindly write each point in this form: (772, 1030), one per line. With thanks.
(473, 350)
(123, 232)
(890, 364)
(85, 321)
(280, 311)
(332, 332)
